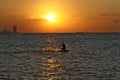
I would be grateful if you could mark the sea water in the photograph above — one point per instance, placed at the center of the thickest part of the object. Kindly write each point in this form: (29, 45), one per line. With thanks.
(90, 57)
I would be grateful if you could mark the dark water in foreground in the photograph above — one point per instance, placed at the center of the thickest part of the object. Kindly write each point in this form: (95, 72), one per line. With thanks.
(91, 57)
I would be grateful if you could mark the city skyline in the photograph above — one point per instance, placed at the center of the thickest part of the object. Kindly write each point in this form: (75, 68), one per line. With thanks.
(60, 16)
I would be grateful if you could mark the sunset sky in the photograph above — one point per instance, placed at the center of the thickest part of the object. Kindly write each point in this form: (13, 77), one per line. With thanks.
(37, 16)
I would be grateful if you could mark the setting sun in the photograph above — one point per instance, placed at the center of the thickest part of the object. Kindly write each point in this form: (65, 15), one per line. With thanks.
(50, 17)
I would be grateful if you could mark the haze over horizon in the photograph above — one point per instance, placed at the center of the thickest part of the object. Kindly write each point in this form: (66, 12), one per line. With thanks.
(35, 16)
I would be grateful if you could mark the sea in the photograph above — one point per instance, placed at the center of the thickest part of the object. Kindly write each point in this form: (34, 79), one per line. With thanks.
(91, 56)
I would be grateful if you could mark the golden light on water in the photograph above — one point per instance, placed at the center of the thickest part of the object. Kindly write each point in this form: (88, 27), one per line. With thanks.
(51, 45)
(51, 66)
(54, 49)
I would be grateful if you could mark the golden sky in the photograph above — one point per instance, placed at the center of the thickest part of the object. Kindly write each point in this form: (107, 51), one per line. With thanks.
(60, 15)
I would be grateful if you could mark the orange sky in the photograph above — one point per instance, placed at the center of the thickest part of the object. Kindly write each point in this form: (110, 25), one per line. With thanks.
(69, 15)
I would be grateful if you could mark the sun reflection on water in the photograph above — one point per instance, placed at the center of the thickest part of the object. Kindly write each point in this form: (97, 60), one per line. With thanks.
(52, 68)
(55, 49)
(51, 45)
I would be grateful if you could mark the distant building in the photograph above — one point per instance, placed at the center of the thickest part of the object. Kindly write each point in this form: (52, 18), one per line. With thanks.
(15, 29)
(5, 31)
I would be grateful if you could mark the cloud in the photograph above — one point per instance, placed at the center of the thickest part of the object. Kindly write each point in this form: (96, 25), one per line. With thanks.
(108, 14)
(101, 16)
(35, 20)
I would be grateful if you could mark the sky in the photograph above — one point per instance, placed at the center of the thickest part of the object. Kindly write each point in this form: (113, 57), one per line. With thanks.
(67, 15)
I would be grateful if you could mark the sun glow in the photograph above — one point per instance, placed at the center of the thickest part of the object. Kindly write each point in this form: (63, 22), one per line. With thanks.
(50, 17)
(53, 21)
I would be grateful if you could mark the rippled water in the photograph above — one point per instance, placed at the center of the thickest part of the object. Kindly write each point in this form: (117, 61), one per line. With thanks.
(91, 57)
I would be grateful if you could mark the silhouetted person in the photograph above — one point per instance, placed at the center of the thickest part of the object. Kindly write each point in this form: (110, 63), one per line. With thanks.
(63, 47)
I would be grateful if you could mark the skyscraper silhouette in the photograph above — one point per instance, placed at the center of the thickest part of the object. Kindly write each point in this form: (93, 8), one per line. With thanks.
(14, 29)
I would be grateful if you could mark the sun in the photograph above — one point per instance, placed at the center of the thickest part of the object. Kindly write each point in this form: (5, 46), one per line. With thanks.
(50, 17)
